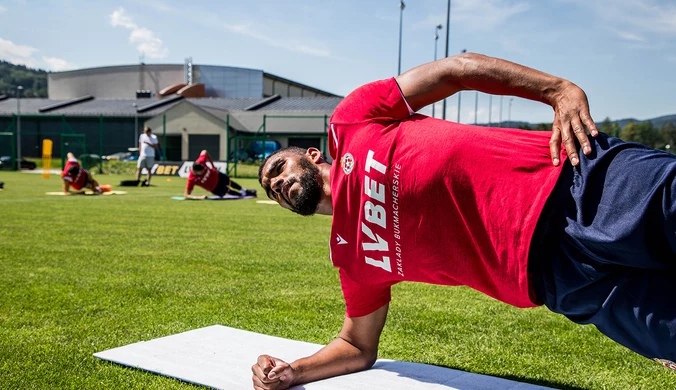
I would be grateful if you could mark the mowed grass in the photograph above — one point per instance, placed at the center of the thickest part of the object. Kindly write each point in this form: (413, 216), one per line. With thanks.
(80, 275)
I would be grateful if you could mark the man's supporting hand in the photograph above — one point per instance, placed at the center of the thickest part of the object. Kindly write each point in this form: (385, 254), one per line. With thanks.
(270, 373)
(571, 114)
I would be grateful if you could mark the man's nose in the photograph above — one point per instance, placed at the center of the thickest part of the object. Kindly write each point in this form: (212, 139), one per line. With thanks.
(276, 185)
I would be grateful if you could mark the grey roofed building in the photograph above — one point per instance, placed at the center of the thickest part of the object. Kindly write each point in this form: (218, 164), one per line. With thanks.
(109, 124)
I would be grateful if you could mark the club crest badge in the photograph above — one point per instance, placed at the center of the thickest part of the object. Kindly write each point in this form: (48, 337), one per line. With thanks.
(666, 363)
(347, 163)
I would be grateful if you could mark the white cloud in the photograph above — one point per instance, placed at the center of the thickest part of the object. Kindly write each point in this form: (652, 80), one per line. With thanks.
(17, 54)
(282, 43)
(630, 37)
(58, 64)
(485, 15)
(3, 9)
(647, 16)
(145, 40)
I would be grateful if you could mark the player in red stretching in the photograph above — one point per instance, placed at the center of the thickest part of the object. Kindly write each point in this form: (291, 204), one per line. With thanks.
(526, 217)
(209, 178)
(76, 179)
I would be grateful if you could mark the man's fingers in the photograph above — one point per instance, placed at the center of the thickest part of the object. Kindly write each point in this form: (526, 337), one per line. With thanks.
(589, 122)
(554, 145)
(569, 143)
(581, 135)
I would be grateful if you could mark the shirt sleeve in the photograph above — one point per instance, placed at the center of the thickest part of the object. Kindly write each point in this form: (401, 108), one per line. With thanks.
(362, 300)
(379, 100)
(202, 159)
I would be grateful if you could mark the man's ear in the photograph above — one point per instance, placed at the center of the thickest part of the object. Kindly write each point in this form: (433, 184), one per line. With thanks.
(315, 155)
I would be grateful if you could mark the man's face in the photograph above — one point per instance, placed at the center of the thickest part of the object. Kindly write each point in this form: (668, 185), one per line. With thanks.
(292, 181)
(148, 131)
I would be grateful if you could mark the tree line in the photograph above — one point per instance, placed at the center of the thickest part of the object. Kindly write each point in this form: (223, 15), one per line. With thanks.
(644, 132)
(33, 81)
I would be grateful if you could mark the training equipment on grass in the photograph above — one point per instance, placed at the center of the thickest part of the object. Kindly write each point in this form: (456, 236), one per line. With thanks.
(130, 183)
(46, 157)
(266, 202)
(214, 197)
(106, 188)
(111, 192)
(221, 357)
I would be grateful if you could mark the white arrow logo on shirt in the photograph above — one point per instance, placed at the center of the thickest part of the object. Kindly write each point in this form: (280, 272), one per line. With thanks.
(340, 240)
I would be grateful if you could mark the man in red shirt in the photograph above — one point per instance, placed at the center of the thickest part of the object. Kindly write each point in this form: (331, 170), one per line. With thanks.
(209, 178)
(77, 178)
(508, 212)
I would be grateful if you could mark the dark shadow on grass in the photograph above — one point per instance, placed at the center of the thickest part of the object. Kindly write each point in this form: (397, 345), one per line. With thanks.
(461, 380)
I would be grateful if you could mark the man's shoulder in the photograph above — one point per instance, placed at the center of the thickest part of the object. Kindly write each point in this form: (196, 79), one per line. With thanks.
(367, 101)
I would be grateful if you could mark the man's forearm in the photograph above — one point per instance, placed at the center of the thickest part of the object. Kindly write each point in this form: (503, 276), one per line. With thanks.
(337, 358)
(437, 80)
(501, 77)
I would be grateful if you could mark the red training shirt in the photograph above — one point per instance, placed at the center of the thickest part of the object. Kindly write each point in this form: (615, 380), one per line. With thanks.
(426, 200)
(207, 180)
(79, 181)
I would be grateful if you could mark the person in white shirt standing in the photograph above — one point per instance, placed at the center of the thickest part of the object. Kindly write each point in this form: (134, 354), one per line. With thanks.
(147, 145)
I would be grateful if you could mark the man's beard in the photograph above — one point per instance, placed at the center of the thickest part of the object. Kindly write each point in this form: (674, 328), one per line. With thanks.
(310, 194)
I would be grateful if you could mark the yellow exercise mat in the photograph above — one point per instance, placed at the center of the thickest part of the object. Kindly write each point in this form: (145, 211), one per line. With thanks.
(90, 193)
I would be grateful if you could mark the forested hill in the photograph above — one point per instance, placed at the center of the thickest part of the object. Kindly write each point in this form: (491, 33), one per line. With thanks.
(33, 81)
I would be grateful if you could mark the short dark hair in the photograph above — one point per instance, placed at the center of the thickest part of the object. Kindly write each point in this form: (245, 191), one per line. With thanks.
(74, 170)
(292, 149)
(197, 167)
(147, 129)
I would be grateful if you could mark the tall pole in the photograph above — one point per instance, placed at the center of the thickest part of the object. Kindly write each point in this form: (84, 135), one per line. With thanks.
(476, 105)
(135, 126)
(509, 112)
(448, 22)
(18, 127)
(401, 19)
(490, 110)
(460, 93)
(500, 125)
(436, 38)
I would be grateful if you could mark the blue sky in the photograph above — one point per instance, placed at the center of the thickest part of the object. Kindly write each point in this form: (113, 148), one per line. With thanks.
(621, 52)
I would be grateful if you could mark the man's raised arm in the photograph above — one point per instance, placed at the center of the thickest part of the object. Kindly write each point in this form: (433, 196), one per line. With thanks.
(429, 83)
(355, 349)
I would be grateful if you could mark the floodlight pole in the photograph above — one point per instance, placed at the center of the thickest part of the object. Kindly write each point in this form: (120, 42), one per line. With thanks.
(401, 19)
(18, 127)
(448, 22)
(509, 111)
(476, 105)
(436, 38)
(490, 110)
(460, 93)
(135, 126)
(500, 125)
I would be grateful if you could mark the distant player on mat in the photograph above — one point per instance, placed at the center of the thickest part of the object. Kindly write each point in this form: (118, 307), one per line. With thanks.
(76, 179)
(209, 178)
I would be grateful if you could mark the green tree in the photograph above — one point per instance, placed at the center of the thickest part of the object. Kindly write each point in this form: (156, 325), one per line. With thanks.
(609, 127)
(667, 134)
(34, 81)
(543, 126)
(641, 132)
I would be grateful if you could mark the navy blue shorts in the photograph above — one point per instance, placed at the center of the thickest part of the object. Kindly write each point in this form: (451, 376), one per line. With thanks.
(604, 250)
(223, 184)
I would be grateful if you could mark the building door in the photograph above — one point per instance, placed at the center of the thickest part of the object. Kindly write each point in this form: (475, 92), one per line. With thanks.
(199, 142)
(173, 147)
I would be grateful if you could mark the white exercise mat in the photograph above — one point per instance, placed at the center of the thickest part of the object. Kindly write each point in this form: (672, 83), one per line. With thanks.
(221, 357)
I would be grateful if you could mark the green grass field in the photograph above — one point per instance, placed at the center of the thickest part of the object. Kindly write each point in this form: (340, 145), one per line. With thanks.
(82, 274)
